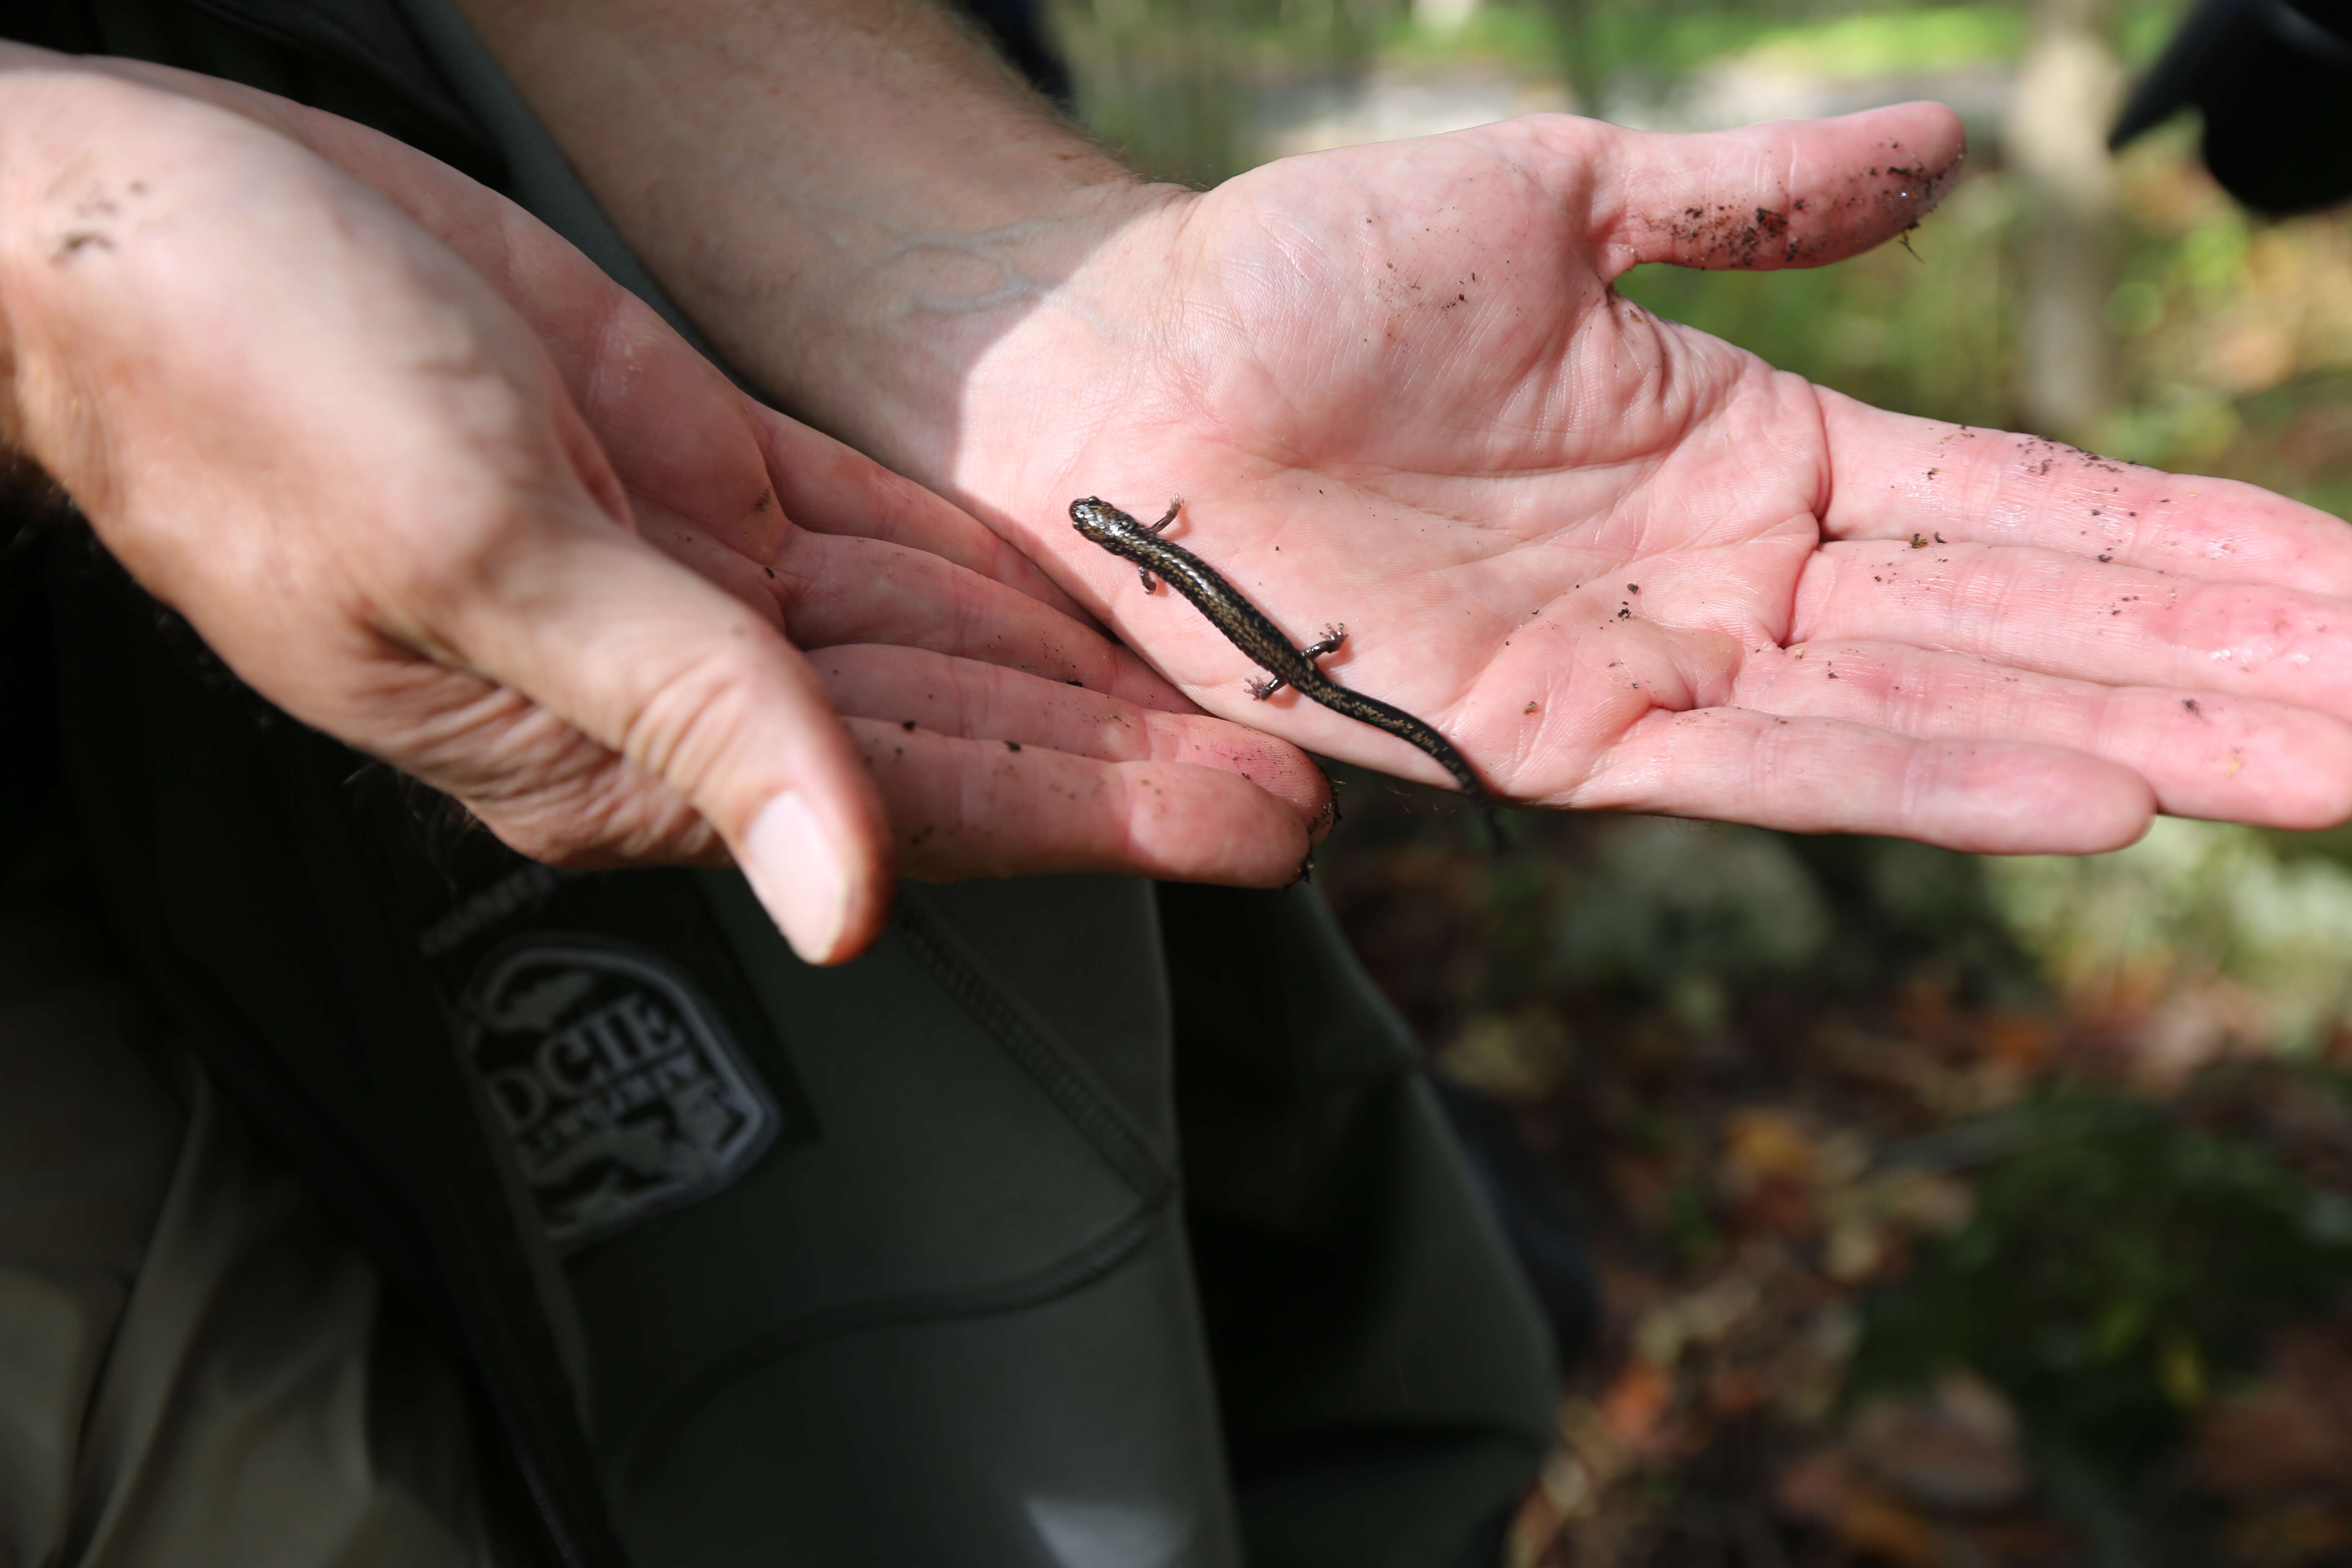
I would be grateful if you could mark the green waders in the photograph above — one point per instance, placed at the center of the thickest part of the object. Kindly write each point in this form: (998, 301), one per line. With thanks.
(740, 1261)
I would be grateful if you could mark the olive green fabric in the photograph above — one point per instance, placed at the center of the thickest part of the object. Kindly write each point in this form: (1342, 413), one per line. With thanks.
(955, 1321)
(1384, 1376)
(196, 1369)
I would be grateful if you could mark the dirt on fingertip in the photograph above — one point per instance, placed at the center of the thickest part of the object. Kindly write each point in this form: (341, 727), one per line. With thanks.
(1811, 229)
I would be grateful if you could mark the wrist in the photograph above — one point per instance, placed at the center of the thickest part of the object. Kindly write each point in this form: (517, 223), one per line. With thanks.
(981, 371)
(860, 208)
(962, 354)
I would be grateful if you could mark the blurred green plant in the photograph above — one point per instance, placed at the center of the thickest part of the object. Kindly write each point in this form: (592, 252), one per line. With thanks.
(1692, 917)
(1696, 921)
(1160, 82)
(2193, 905)
(2119, 1261)
(1661, 900)
(1884, 42)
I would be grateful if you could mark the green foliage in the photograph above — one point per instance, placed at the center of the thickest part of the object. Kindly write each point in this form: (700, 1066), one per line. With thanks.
(1159, 82)
(1661, 900)
(1691, 916)
(1876, 43)
(1657, 44)
(2193, 902)
(2117, 1260)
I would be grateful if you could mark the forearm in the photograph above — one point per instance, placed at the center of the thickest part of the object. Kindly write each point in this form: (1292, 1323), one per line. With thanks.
(852, 197)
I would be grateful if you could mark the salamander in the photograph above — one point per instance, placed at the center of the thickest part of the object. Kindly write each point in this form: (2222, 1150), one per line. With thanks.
(1247, 627)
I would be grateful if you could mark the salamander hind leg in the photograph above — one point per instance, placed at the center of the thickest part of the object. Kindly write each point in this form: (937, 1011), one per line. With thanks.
(1262, 689)
(1332, 638)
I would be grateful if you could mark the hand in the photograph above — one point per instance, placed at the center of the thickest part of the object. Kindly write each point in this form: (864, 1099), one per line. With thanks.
(1007, 737)
(420, 521)
(1623, 564)
(1396, 390)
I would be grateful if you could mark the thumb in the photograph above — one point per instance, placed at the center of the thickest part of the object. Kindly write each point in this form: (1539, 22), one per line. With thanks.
(1800, 193)
(697, 689)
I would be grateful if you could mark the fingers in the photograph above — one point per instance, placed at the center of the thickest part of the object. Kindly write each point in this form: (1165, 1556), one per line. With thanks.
(2225, 758)
(1796, 194)
(1894, 476)
(828, 488)
(839, 589)
(962, 698)
(992, 808)
(1823, 775)
(2059, 615)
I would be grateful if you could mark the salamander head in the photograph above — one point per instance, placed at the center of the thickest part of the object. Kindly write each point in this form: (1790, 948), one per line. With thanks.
(1101, 521)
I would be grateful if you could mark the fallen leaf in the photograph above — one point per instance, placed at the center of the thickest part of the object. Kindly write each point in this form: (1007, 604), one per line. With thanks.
(1634, 1405)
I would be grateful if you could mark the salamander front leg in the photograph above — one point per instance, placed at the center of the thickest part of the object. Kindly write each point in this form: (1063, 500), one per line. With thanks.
(1152, 582)
(1262, 689)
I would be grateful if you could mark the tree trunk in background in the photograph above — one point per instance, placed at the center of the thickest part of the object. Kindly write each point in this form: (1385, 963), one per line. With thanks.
(2067, 92)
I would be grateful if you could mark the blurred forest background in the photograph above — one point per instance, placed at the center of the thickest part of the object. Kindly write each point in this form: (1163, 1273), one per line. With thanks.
(1948, 1212)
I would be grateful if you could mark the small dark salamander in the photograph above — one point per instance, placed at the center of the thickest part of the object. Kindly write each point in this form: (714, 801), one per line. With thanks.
(1247, 627)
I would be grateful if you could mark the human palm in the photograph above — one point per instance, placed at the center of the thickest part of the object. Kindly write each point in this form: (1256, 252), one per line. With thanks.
(1623, 564)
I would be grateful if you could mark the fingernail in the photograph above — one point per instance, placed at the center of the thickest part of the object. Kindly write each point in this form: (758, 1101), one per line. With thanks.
(800, 877)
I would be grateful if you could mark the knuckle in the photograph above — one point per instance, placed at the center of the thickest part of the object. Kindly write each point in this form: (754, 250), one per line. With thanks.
(615, 817)
(694, 718)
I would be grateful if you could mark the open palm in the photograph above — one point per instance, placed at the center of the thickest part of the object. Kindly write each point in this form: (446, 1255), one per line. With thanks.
(1624, 564)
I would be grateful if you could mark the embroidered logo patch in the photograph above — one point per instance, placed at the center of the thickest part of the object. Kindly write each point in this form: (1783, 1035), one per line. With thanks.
(621, 1090)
